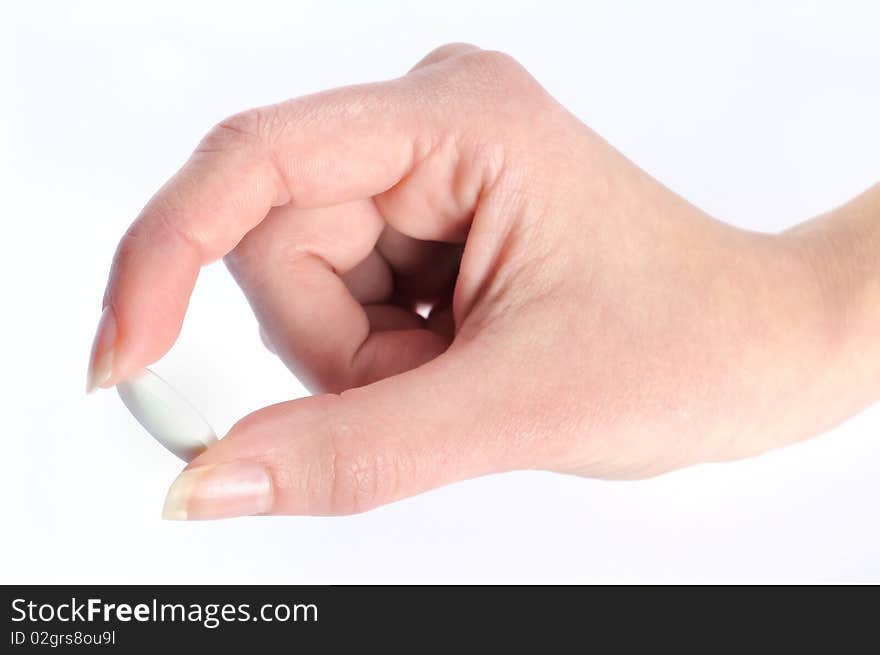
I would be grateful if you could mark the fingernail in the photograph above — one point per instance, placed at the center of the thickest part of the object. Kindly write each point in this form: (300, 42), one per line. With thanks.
(103, 347)
(219, 491)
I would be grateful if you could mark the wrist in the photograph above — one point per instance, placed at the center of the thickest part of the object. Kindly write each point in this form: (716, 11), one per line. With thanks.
(841, 252)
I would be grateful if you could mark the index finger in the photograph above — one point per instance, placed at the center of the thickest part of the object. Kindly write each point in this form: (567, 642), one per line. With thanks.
(315, 151)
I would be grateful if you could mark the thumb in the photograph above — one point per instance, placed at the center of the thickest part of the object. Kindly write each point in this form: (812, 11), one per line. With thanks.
(348, 453)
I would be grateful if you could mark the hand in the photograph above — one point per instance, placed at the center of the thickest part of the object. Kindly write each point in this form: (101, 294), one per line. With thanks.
(583, 318)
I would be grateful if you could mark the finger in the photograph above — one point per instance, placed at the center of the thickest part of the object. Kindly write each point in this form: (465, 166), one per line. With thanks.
(370, 282)
(433, 284)
(350, 453)
(392, 317)
(266, 342)
(406, 255)
(297, 270)
(441, 320)
(316, 151)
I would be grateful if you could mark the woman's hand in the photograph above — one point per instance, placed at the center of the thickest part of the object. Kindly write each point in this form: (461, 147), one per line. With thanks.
(582, 317)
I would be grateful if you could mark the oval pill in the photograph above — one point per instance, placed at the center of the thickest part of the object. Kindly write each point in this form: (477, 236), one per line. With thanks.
(166, 414)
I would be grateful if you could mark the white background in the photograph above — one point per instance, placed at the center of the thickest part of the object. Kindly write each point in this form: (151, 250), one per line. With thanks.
(761, 113)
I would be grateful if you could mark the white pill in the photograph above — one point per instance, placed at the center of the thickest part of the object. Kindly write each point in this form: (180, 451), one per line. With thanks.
(166, 414)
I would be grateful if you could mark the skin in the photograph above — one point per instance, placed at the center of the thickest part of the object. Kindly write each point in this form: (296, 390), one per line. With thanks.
(583, 318)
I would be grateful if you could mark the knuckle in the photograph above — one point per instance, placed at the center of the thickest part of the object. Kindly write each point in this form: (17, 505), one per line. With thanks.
(242, 130)
(495, 65)
(454, 46)
(361, 478)
(500, 84)
(134, 239)
(448, 50)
